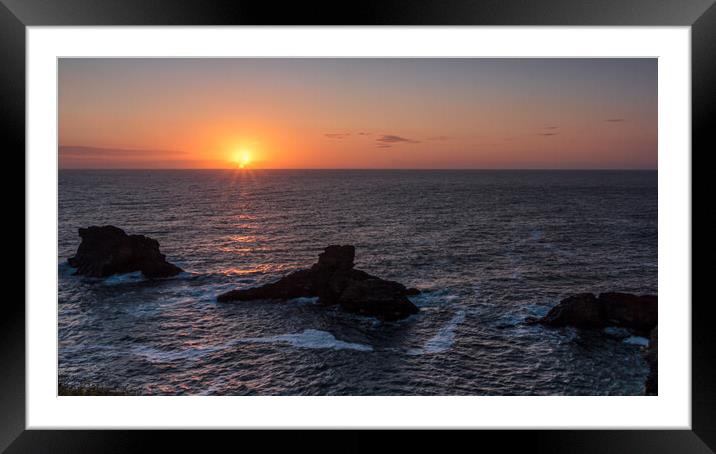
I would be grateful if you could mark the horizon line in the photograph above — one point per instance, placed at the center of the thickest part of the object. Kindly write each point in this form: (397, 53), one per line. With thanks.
(370, 168)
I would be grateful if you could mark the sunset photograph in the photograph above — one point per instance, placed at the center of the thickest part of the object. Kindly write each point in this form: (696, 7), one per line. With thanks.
(357, 226)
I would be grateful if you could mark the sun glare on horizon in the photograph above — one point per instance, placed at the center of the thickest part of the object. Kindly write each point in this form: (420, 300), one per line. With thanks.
(242, 159)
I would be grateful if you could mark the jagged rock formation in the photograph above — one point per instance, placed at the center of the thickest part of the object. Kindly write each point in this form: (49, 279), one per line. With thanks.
(335, 282)
(635, 313)
(108, 250)
(585, 310)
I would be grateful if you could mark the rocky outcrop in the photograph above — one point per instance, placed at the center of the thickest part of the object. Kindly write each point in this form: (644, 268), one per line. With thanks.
(585, 310)
(651, 388)
(581, 310)
(630, 311)
(616, 313)
(108, 250)
(335, 282)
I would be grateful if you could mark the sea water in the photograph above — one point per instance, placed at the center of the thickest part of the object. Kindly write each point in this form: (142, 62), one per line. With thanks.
(488, 248)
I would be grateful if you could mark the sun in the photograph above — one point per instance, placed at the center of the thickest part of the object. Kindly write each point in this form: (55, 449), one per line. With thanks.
(242, 158)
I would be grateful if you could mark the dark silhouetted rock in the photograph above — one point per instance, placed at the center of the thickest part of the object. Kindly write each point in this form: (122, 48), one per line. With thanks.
(107, 250)
(619, 314)
(651, 388)
(581, 310)
(377, 298)
(585, 310)
(337, 257)
(624, 309)
(296, 285)
(335, 282)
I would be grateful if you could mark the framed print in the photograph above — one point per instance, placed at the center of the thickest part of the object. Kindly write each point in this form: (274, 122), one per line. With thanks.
(413, 217)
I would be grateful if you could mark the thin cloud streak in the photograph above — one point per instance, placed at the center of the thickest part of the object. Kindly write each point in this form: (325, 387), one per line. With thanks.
(391, 138)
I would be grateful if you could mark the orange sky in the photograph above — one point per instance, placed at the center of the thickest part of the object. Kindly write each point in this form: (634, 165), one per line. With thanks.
(358, 113)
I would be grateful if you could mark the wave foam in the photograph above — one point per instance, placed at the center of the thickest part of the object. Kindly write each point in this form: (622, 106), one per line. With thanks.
(65, 270)
(155, 355)
(434, 298)
(115, 279)
(443, 339)
(310, 338)
(637, 340)
(305, 300)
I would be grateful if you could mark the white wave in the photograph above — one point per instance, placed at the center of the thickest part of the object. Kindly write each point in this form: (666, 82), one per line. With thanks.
(310, 338)
(514, 263)
(305, 300)
(135, 276)
(156, 355)
(616, 332)
(65, 270)
(433, 298)
(637, 340)
(443, 339)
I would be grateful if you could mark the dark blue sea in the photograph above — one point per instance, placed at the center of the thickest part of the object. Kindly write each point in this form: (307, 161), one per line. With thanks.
(488, 248)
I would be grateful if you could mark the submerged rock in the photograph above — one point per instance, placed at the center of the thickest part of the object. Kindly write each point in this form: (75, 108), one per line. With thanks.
(108, 250)
(585, 310)
(335, 282)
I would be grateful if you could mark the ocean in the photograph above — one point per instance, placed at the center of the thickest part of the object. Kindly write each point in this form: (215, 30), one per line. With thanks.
(488, 248)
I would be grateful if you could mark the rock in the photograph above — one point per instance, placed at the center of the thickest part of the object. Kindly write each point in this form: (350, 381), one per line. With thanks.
(624, 309)
(585, 310)
(108, 250)
(335, 282)
(337, 257)
(581, 310)
(377, 298)
(619, 314)
(651, 387)
(296, 285)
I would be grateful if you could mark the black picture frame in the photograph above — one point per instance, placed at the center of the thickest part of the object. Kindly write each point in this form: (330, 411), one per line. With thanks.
(16, 15)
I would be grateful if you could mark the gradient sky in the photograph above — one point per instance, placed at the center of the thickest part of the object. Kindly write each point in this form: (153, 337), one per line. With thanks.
(358, 113)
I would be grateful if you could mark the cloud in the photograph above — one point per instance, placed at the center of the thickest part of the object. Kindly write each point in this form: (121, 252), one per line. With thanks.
(548, 134)
(391, 139)
(614, 120)
(551, 127)
(438, 138)
(337, 135)
(363, 133)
